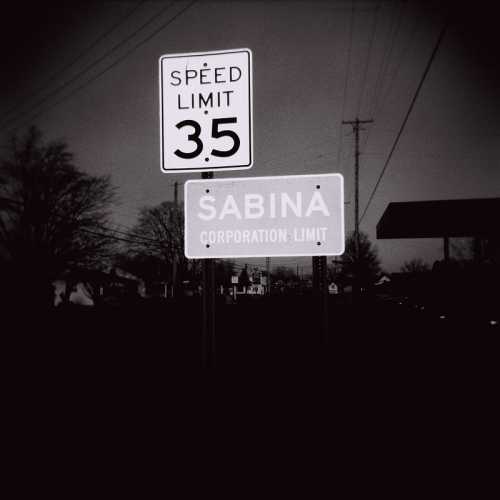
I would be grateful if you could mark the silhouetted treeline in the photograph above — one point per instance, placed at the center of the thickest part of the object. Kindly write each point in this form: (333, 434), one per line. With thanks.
(53, 218)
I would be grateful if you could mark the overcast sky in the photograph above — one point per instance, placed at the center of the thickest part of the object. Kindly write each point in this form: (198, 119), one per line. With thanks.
(315, 63)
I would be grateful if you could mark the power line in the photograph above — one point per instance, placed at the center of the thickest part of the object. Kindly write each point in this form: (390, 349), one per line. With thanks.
(376, 14)
(315, 145)
(402, 58)
(384, 68)
(138, 238)
(133, 210)
(119, 60)
(21, 104)
(127, 238)
(346, 81)
(123, 226)
(383, 61)
(91, 65)
(367, 65)
(387, 56)
(126, 213)
(379, 105)
(106, 235)
(426, 71)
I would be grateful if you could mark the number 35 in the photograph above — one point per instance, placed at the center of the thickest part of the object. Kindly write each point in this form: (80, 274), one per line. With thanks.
(216, 133)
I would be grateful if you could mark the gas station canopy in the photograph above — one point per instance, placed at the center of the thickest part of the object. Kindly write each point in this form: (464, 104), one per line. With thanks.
(441, 218)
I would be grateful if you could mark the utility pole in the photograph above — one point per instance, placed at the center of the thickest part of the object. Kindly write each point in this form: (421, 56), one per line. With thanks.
(356, 128)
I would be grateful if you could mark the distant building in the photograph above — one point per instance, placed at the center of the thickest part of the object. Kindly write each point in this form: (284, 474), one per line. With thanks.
(87, 287)
(258, 289)
(383, 279)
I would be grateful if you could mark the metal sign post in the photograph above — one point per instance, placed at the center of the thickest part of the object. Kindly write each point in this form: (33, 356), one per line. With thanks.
(320, 286)
(208, 307)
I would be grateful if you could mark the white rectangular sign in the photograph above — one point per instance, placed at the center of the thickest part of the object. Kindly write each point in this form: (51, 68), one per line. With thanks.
(206, 111)
(297, 215)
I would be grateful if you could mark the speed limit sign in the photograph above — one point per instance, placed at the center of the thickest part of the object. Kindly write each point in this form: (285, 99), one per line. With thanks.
(206, 111)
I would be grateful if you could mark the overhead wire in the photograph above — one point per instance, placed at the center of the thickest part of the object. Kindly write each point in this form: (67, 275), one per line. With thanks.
(135, 238)
(384, 59)
(368, 57)
(402, 59)
(118, 61)
(408, 113)
(378, 105)
(87, 68)
(267, 160)
(376, 14)
(84, 52)
(394, 30)
(346, 81)
(109, 236)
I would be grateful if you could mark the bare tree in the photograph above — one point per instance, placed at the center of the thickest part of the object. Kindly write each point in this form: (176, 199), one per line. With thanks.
(414, 266)
(285, 274)
(224, 270)
(366, 267)
(53, 217)
(244, 279)
(159, 234)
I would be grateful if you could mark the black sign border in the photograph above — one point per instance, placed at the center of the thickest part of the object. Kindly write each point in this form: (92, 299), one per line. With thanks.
(250, 104)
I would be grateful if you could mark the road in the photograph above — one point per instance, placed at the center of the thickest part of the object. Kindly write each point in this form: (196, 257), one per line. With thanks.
(268, 333)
